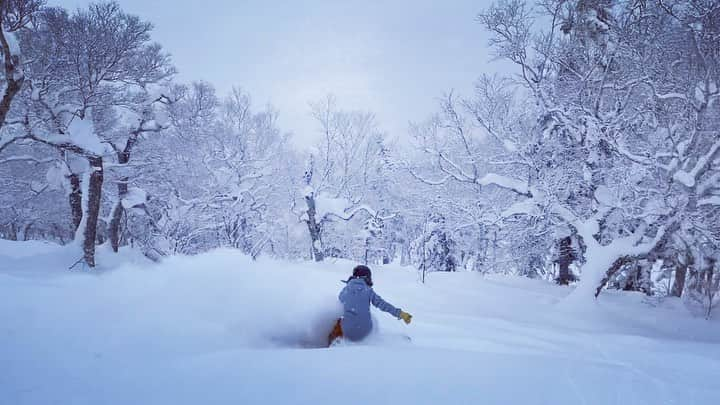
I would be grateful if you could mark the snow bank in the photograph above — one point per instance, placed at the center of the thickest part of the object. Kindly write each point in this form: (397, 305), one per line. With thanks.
(48, 259)
(18, 250)
(183, 302)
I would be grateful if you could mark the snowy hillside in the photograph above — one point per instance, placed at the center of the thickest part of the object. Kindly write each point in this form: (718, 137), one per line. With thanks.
(219, 328)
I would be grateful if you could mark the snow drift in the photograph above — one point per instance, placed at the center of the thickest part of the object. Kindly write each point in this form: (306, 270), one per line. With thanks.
(221, 298)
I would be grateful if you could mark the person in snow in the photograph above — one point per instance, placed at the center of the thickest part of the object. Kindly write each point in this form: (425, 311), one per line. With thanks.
(356, 297)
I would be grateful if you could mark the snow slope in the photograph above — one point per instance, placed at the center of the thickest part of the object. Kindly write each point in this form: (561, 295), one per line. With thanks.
(221, 329)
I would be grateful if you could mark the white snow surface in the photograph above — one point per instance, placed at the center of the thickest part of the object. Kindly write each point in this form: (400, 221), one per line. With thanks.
(713, 200)
(219, 328)
(524, 207)
(82, 134)
(12, 43)
(327, 205)
(56, 176)
(509, 146)
(135, 197)
(503, 181)
(604, 196)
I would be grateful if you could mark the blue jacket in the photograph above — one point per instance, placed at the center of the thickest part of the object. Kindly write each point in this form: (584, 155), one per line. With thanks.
(356, 298)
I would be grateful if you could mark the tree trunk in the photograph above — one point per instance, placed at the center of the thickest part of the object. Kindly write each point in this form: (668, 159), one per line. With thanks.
(93, 209)
(711, 285)
(13, 232)
(75, 199)
(118, 210)
(405, 258)
(314, 229)
(26, 231)
(616, 266)
(367, 249)
(567, 255)
(680, 275)
(116, 216)
(13, 75)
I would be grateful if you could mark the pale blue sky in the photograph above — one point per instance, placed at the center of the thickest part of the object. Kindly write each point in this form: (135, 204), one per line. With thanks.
(394, 58)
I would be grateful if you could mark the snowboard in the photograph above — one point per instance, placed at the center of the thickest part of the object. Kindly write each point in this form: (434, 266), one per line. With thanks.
(376, 340)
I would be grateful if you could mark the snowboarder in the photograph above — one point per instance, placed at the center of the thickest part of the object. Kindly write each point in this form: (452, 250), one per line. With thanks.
(356, 297)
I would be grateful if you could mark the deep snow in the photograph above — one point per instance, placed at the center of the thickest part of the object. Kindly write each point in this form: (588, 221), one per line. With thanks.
(220, 328)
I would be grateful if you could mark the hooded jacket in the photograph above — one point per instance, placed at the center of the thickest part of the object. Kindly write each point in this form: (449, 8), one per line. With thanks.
(356, 298)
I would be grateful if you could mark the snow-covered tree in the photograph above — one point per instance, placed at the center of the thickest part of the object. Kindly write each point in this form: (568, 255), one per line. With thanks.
(587, 152)
(603, 97)
(343, 177)
(210, 178)
(88, 94)
(15, 15)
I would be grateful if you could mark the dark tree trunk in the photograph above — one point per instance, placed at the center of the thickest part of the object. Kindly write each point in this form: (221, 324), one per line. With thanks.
(13, 79)
(447, 261)
(114, 229)
(567, 256)
(75, 199)
(367, 249)
(246, 243)
(116, 216)
(26, 231)
(93, 209)
(314, 229)
(616, 266)
(13, 235)
(680, 275)
(639, 279)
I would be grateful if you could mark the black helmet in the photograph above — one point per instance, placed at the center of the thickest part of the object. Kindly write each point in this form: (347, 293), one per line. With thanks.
(363, 272)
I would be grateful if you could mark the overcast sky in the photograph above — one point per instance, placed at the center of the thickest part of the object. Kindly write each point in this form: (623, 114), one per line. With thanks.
(393, 57)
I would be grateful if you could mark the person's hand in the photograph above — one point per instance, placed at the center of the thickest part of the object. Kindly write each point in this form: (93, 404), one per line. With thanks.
(405, 316)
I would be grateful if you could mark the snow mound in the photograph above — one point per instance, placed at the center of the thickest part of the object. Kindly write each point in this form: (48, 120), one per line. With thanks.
(44, 259)
(217, 298)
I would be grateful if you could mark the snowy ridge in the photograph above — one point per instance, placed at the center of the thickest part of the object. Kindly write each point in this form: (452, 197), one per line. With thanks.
(221, 328)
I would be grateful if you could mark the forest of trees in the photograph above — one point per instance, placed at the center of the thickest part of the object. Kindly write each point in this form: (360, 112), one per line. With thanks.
(598, 160)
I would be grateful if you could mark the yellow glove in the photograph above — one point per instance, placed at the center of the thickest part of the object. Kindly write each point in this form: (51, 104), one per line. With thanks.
(405, 316)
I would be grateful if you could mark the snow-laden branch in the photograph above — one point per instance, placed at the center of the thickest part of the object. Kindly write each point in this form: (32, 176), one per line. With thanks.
(688, 178)
(425, 180)
(602, 261)
(519, 187)
(7, 143)
(459, 174)
(509, 183)
(670, 96)
(346, 216)
(713, 200)
(25, 158)
(633, 157)
(526, 207)
(708, 184)
(64, 145)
